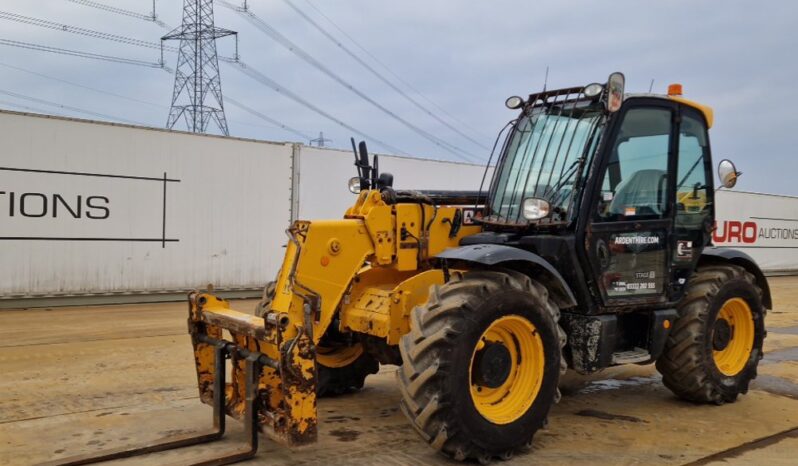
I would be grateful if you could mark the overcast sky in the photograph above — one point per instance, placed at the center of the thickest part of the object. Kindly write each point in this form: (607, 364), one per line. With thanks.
(467, 57)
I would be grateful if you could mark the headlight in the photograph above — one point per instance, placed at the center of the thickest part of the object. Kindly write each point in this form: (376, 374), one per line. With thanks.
(593, 90)
(354, 185)
(535, 209)
(514, 102)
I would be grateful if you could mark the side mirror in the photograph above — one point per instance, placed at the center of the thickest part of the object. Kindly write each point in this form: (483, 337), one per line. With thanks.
(728, 173)
(615, 89)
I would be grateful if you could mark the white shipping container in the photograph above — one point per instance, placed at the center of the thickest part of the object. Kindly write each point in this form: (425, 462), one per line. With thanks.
(90, 208)
(764, 226)
(324, 176)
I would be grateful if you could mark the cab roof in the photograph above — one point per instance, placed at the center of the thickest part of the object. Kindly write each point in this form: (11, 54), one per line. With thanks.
(706, 110)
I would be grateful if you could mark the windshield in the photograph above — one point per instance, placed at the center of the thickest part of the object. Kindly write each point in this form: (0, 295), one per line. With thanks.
(543, 158)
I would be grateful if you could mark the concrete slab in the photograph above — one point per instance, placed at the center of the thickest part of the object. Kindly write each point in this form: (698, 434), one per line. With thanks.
(77, 380)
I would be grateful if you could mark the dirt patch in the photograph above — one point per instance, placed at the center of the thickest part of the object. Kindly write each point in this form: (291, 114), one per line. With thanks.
(345, 435)
(607, 416)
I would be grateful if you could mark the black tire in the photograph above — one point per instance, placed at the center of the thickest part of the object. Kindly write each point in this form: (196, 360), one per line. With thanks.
(687, 365)
(333, 381)
(330, 380)
(437, 354)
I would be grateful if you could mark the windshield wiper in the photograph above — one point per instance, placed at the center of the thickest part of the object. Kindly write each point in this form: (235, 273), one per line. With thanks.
(572, 170)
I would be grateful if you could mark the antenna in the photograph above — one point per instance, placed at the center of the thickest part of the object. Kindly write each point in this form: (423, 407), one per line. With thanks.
(546, 79)
(651, 86)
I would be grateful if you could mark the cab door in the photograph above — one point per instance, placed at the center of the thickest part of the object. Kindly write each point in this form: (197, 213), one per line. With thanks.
(694, 198)
(632, 209)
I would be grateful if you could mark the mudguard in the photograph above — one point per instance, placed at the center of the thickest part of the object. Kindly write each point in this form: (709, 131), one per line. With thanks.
(497, 254)
(737, 257)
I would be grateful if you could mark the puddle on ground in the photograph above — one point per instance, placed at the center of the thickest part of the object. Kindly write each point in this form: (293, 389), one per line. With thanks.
(775, 385)
(780, 355)
(615, 384)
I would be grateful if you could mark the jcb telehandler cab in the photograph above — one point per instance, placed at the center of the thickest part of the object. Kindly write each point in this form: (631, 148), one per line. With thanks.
(591, 248)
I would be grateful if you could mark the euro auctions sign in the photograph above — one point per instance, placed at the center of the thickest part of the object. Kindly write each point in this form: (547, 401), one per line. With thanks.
(752, 232)
(764, 226)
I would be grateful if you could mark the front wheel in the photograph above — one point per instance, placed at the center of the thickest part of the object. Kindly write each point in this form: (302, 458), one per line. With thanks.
(713, 350)
(481, 364)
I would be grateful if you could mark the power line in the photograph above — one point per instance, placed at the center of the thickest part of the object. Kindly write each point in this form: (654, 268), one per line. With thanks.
(139, 101)
(77, 53)
(76, 30)
(263, 79)
(68, 107)
(388, 69)
(285, 42)
(88, 32)
(266, 118)
(29, 108)
(380, 76)
(93, 89)
(141, 43)
(120, 11)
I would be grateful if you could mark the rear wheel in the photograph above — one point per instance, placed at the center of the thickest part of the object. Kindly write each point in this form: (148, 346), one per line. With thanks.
(715, 345)
(341, 368)
(481, 364)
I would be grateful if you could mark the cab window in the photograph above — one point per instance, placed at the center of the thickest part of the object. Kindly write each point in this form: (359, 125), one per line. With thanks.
(693, 170)
(635, 183)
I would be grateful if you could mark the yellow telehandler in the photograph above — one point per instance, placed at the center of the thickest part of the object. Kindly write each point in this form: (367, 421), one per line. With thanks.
(589, 248)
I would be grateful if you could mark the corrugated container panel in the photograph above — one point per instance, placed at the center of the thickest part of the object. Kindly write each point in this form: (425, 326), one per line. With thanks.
(84, 208)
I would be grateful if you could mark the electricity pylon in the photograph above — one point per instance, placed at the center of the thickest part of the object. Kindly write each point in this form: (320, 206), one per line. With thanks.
(197, 94)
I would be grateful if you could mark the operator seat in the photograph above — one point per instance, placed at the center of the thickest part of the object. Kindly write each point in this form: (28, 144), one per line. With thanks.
(645, 191)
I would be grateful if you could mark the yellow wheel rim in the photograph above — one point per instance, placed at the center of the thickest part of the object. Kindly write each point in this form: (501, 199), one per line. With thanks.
(505, 400)
(338, 356)
(733, 337)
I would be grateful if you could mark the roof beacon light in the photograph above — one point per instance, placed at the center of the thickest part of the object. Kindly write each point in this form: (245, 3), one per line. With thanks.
(674, 89)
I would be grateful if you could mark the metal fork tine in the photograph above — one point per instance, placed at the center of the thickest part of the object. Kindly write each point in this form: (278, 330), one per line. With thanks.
(253, 369)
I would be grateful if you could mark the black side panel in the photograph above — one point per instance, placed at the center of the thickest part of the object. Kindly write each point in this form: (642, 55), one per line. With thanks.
(486, 237)
(560, 251)
(745, 261)
(593, 340)
(659, 331)
(497, 254)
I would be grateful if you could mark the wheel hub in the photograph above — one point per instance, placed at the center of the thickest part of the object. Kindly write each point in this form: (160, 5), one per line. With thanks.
(733, 335)
(492, 365)
(721, 335)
